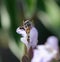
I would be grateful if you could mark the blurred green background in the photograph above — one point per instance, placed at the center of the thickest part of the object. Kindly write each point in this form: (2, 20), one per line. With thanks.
(45, 15)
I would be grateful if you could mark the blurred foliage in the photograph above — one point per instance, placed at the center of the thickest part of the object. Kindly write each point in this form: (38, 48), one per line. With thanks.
(50, 18)
(0, 21)
(40, 5)
(11, 7)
